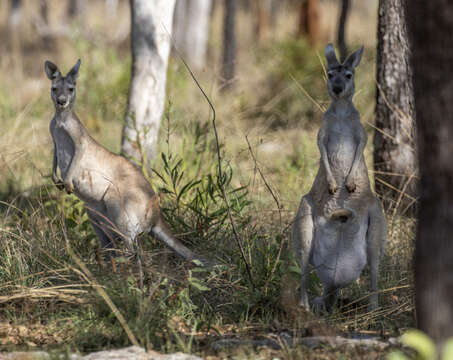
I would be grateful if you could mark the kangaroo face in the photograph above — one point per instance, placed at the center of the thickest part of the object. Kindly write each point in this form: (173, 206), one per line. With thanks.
(340, 77)
(63, 91)
(340, 82)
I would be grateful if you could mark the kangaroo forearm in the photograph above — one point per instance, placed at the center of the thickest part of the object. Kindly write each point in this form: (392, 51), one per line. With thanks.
(357, 158)
(54, 163)
(325, 162)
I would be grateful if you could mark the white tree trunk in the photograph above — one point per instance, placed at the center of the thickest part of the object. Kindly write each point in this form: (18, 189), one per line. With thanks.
(151, 23)
(191, 30)
(111, 7)
(15, 14)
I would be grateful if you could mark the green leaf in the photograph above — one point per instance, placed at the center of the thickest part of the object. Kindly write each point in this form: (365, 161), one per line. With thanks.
(199, 286)
(295, 269)
(447, 353)
(421, 342)
(397, 355)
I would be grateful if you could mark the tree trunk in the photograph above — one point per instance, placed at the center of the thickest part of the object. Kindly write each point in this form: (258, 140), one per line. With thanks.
(263, 9)
(191, 30)
(44, 11)
(431, 28)
(14, 21)
(76, 8)
(341, 38)
(151, 23)
(394, 139)
(309, 25)
(229, 44)
(111, 7)
(15, 14)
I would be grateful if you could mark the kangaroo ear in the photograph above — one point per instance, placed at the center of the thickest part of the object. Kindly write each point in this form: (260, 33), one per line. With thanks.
(329, 52)
(51, 69)
(353, 60)
(74, 71)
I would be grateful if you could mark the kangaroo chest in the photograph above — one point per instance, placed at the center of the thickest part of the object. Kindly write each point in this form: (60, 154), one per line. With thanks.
(341, 147)
(65, 149)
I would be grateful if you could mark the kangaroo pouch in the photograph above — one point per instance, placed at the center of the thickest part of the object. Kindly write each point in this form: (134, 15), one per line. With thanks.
(339, 250)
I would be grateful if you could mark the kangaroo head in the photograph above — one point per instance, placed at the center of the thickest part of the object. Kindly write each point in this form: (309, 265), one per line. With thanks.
(62, 92)
(340, 77)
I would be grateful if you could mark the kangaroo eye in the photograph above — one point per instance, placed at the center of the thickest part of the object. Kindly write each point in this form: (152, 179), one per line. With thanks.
(330, 75)
(71, 89)
(348, 76)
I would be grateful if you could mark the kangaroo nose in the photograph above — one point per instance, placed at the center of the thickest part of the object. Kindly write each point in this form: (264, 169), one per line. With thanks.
(337, 89)
(61, 100)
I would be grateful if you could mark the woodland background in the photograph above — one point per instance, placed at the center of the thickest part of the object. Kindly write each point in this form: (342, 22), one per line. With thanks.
(262, 67)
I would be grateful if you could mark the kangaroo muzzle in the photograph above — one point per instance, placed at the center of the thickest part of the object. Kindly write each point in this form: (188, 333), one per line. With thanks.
(337, 90)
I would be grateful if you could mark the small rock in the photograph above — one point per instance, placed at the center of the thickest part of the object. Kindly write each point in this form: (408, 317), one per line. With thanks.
(129, 353)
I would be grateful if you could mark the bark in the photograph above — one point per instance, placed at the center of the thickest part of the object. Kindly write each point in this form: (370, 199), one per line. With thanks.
(229, 44)
(394, 140)
(151, 23)
(342, 21)
(309, 25)
(191, 30)
(433, 87)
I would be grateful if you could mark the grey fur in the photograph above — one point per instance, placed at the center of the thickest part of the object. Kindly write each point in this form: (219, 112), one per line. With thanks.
(120, 202)
(340, 225)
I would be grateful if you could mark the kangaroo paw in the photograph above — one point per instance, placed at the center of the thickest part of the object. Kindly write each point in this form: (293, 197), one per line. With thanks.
(333, 188)
(58, 182)
(350, 185)
(69, 187)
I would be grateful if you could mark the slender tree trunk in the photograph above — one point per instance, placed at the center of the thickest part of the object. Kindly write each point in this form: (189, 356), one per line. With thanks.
(309, 25)
(229, 44)
(342, 21)
(111, 7)
(76, 8)
(44, 11)
(14, 21)
(394, 140)
(15, 14)
(151, 23)
(263, 10)
(191, 30)
(431, 29)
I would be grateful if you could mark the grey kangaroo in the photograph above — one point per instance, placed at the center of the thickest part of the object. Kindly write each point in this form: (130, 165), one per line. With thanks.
(340, 225)
(120, 202)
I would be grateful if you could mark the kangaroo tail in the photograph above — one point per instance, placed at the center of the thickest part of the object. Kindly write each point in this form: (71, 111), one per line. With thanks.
(341, 215)
(162, 232)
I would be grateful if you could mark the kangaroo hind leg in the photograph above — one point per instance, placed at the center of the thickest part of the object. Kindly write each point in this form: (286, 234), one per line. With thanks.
(107, 237)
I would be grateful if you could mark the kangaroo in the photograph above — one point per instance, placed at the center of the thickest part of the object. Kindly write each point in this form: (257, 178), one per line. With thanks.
(340, 225)
(120, 202)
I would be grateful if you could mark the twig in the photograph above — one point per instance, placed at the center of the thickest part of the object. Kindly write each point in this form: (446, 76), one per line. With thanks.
(96, 286)
(320, 107)
(219, 160)
(277, 260)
